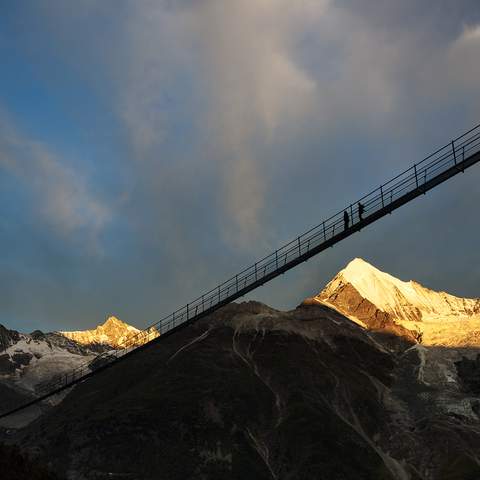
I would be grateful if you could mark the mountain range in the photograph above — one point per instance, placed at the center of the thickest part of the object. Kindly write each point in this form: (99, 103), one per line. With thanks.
(372, 378)
(27, 360)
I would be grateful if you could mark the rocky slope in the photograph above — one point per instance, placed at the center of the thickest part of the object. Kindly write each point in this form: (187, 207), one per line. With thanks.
(27, 360)
(252, 392)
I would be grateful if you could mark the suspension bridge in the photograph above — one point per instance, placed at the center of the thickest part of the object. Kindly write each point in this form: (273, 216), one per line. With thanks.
(446, 162)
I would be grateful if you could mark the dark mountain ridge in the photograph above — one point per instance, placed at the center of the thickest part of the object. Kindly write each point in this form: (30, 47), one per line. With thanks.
(373, 378)
(251, 391)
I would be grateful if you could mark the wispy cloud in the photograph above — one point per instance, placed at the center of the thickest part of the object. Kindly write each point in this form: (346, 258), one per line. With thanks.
(255, 89)
(61, 193)
(463, 64)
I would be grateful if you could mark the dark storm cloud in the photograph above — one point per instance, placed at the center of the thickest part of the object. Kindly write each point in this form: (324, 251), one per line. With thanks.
(211, 132)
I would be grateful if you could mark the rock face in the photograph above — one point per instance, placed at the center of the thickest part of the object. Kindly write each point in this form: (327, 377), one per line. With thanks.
(28, 360)
(113, 333)
(252, 392)
(345, 298)
(7, 338)
(469, 373)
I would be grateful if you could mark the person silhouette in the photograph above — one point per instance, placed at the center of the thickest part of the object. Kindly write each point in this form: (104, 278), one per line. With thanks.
(346, 219)
(361, 209)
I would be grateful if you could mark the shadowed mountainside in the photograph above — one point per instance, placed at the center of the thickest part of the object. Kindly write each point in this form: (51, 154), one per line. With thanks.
(28, 360)
(14, 465)
(254, 392)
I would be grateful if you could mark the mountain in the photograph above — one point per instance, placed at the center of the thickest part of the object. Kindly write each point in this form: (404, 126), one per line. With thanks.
(311, 393)
(27, 360)
(378, 300)
(248, 392)
(253, 392)
(32, 358)
(113, 333)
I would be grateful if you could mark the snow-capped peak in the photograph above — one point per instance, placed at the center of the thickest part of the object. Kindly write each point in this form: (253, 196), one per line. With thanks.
(379, 301)
(30, 359)
(112, 332)
(404, 300)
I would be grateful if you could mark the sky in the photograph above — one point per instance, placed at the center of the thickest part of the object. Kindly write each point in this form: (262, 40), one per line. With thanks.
(151, 149)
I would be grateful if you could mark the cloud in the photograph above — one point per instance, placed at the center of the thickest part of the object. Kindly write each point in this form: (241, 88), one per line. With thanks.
(255, 89)
(463, 63)
(61, 193)
(155, 49)
(249, 76)
(240, 79)
(241, 123)
(230, 68)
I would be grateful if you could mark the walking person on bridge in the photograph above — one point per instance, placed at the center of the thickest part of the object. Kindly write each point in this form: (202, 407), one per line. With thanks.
(346, 219)
(361, 209)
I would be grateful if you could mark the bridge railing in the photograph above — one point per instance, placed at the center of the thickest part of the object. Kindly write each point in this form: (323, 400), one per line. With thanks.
(379, 199)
